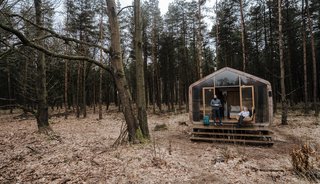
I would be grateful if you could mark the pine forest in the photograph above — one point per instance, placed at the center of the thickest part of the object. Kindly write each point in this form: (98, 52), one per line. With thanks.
(94, 91)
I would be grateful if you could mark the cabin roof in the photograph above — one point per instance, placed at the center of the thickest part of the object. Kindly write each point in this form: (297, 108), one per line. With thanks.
(238, 72)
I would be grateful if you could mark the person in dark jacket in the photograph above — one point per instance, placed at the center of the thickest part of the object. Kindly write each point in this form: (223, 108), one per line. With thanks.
(215, 103)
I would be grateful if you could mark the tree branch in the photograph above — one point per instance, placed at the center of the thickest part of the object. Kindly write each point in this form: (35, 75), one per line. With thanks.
(7, 52)
(123, 9)
(56, 35)
(27, 42)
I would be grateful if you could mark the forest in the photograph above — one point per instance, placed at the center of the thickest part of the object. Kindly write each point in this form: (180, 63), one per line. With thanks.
(85, 60)
(175, 50)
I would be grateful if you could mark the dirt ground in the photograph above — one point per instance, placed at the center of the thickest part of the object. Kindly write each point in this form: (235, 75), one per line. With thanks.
(84, 152)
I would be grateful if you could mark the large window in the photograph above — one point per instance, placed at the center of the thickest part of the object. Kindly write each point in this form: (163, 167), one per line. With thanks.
(227, 78)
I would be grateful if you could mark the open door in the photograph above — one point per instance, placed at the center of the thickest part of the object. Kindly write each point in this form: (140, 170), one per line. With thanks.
(207, 95)
(247, 97)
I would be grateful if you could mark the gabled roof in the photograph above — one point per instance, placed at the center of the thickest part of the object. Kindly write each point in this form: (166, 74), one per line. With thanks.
(208, 77)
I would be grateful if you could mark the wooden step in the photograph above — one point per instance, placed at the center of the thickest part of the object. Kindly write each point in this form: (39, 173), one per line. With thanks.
(258, 142)
(232, 134)
(225, 127)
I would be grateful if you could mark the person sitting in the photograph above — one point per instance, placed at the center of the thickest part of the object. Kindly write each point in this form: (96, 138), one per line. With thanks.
(243, 114)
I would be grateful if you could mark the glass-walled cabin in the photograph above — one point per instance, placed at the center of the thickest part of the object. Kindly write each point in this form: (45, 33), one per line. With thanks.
(236, 90)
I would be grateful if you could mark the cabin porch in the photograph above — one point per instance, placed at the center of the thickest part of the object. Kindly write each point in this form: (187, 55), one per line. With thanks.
(228, 133)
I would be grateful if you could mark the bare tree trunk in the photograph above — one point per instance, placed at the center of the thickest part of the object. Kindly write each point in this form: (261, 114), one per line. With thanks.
(243, 42)
(100, 72)
(84, 97)
(156, 98)
(154, 60)
(65, 89)
(290, 98)
(199, 40)
(282, 69)
(66, 77)
(141, 97)
(314, 61)
(272, 60)
(185, 55)
(24, 87)
(153, 84)
(118, 71)
(217, 36)
(78, 90)
(9, 86)
(42, 111)
(304, 46)
(94, 94)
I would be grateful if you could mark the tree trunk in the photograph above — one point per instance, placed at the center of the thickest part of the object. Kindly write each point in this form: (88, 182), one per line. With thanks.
(185, 62)
(217, 38)
(156, 91)
(199, 42)
(78, 90)
(94, 93)
(314, 61)
(100, 72)
(290, 39)
(153, 57)
(24, 87)
(304, 46)
(243, 42)
(66, 76)
(118, 71)
(141, 97)
(282, 69)
(65, 89)
(42, 111)
(272, 60)
(84, 96)
(9, 86)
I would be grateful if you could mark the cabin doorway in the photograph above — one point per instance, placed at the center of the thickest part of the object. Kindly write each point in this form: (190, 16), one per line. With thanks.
(247, 97)
(233, 99)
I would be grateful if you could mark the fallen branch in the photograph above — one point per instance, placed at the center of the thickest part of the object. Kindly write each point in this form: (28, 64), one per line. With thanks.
(266, 170)
(122, 137)
(33, 150)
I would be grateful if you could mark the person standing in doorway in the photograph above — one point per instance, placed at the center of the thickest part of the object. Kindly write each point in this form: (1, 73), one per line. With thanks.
(215, 103)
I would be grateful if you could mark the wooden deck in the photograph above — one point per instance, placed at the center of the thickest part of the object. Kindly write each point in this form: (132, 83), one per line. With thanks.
(228, 133)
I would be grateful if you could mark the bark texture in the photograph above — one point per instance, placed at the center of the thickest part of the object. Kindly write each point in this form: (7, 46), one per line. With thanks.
(42, 110)
(141, 97)
(118, 71)
(282, 69)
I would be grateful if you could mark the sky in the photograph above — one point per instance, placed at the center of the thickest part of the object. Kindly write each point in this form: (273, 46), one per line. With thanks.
(163, 4)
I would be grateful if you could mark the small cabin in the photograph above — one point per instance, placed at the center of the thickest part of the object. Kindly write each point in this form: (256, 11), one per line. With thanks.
(236, 90)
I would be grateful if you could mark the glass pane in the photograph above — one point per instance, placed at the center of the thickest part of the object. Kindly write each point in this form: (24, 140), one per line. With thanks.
(227, 78)
(208, 95)
(247, 81)
(247, 97)
(196, 103)
(261, 104)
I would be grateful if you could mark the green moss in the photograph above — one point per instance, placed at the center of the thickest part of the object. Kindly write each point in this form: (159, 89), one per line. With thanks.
(140, 137)
(161, 127)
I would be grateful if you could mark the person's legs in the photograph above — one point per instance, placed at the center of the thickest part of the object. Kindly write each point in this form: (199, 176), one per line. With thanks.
(214, 116)
(219, 116)
(240, 121)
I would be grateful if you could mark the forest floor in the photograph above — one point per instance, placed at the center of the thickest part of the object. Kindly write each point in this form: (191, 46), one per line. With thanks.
(84, 152)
